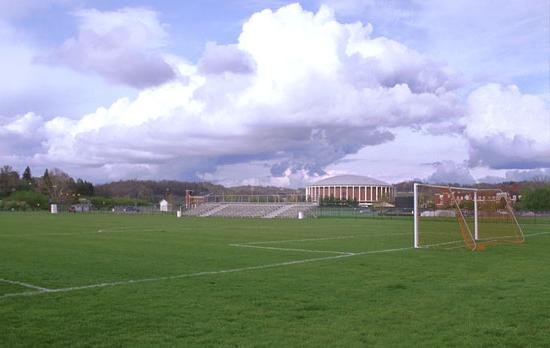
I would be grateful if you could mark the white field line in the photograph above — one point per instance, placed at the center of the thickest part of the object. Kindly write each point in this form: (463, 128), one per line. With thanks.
(535, 234)
(198, 274)
(84, 232)
(26, 285)
(129, 230)
(292, 249)
(156, 230)
(297, 240)
(41, 290)
(440, 244)
(328, 238)
(25, 293)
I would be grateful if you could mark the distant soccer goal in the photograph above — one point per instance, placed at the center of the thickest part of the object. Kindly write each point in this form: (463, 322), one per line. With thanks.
(457, 217)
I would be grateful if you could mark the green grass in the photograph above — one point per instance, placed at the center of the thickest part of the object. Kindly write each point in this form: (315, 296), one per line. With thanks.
(425, 298)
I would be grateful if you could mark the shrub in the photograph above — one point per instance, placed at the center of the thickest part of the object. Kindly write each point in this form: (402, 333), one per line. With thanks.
(537, 199)
(25, 200)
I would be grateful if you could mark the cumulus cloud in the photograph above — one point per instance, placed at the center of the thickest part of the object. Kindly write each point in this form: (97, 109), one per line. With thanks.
(123, 46)
(297, 92)
(507, 129)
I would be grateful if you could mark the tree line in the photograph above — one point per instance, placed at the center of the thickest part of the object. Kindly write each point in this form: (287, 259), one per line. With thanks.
(536, 199)
(25, 191)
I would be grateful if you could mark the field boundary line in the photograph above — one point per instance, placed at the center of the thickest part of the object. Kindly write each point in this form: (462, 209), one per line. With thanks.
(26, 285)
(24, 293)
(291, 249)
(199, 274)
(101, 230)
(535, 234)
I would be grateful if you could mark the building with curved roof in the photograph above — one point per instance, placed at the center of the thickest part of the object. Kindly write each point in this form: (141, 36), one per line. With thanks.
(364, 189)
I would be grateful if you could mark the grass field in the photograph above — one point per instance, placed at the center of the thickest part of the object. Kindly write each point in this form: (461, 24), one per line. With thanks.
(114, 280)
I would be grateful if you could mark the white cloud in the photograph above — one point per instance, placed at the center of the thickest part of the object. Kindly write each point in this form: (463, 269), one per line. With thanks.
(23, 125)
(123, 46)
(319, 92)
(501, 41)
(507, 129)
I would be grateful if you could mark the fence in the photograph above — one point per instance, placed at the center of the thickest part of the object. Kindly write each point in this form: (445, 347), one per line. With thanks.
(523, 217)
(280, 198)
(398, 213)
(362, 212)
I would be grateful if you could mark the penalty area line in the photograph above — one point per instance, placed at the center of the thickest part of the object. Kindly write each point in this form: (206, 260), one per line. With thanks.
(26, 285)
(199, 274)
(292, 249)
(297, 240)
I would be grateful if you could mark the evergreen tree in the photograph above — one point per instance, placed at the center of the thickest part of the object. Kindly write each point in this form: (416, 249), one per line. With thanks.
(83, 188)
(46, 183)
(27, 175)
(26, 182)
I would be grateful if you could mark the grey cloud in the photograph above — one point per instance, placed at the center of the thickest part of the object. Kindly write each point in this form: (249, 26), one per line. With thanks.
(448, 172)
(404, 66)
(21, 136)
(217, 59)
(323, 147)
(122, 49)
(540, 174)
(507, 129)
(500, 152)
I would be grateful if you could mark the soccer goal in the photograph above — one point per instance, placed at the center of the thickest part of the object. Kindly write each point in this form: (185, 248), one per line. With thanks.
(457, 217)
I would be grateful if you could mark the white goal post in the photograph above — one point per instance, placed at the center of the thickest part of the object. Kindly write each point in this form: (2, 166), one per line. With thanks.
(451, 217)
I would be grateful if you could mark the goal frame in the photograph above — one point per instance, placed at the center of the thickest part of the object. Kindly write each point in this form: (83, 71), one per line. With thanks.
(475, 235)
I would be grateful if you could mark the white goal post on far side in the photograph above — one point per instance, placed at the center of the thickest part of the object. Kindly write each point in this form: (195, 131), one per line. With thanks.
(463, 216)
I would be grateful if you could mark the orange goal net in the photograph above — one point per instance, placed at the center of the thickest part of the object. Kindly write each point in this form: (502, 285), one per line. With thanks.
(458, 217)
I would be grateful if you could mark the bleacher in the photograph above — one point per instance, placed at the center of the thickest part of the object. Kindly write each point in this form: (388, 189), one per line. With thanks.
(292, 212)
(251, 210)
(201, 209)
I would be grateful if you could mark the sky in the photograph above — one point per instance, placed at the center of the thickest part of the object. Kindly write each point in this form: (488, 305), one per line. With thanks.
(276, 92)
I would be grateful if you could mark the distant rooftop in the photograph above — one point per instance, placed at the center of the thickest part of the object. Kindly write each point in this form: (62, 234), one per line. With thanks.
(351, 180)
